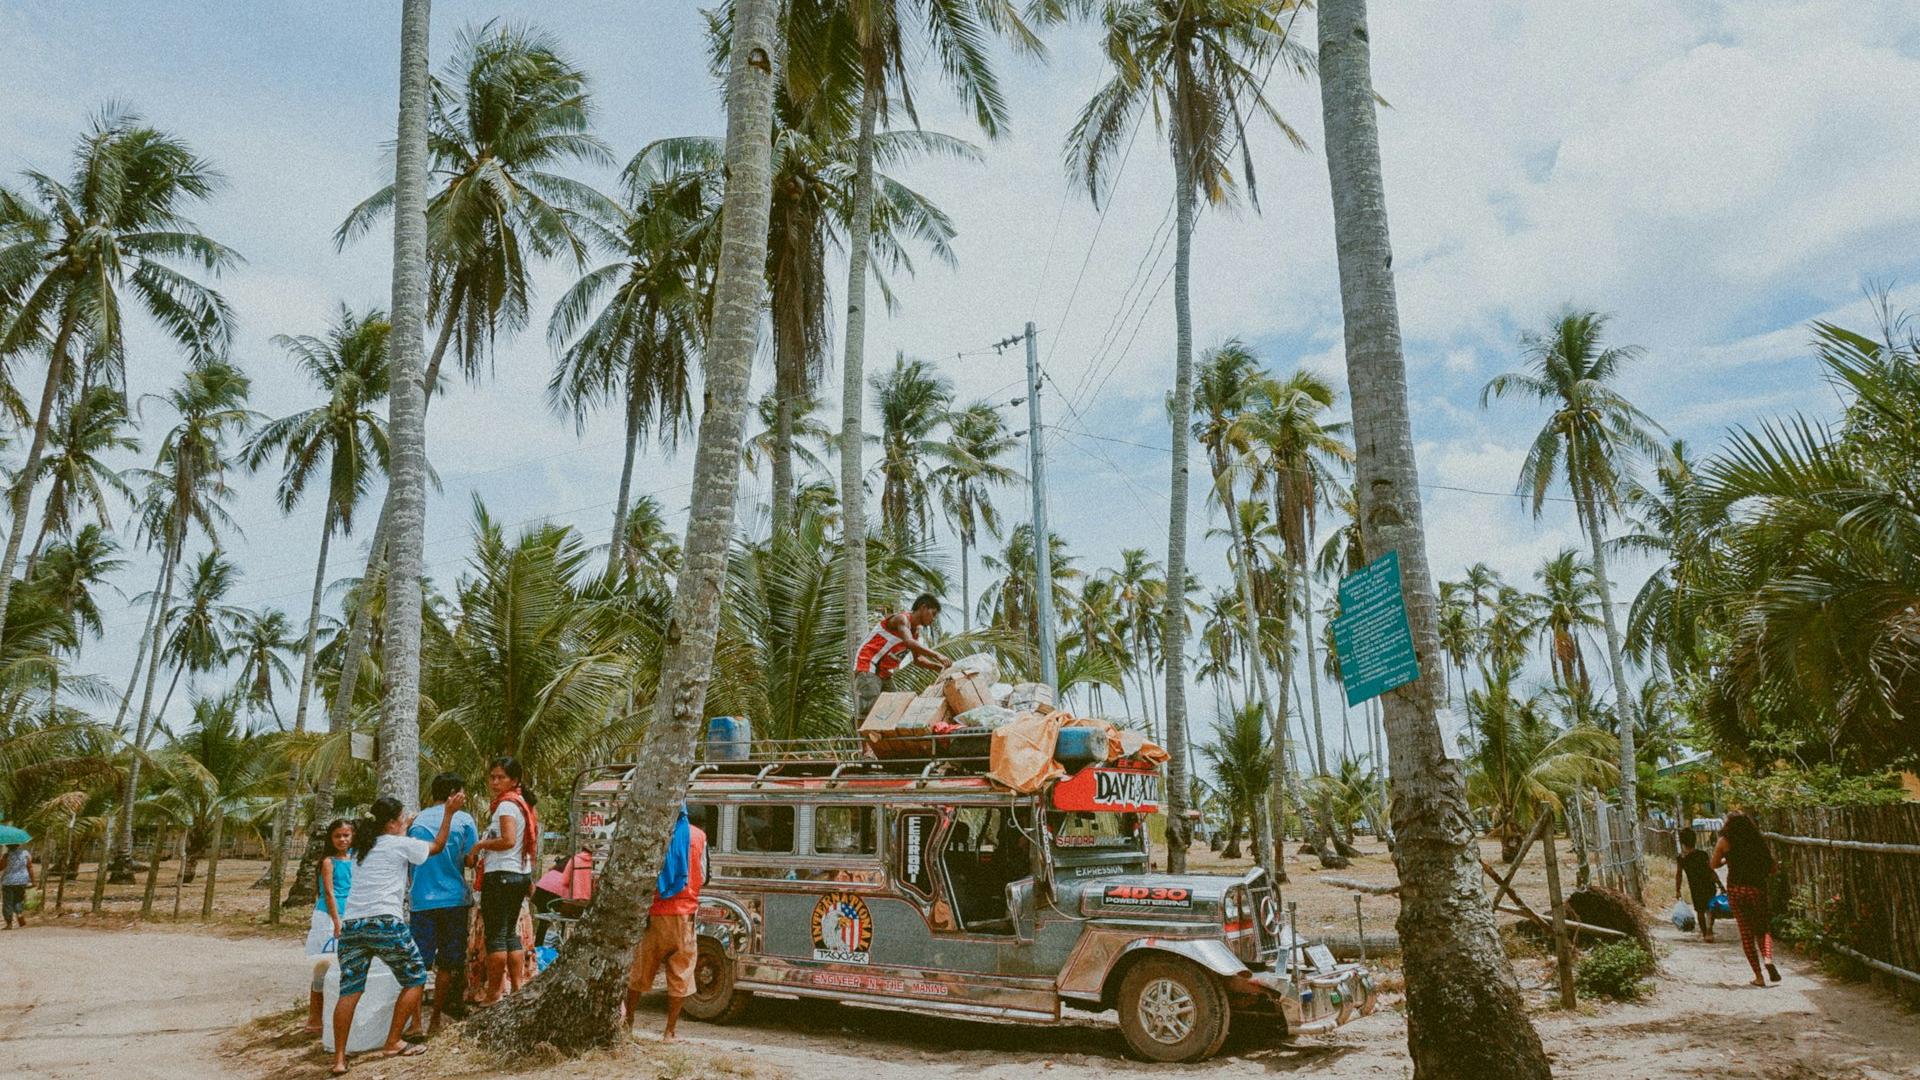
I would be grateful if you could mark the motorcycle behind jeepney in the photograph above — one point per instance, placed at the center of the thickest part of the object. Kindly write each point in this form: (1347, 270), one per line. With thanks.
(923, 885)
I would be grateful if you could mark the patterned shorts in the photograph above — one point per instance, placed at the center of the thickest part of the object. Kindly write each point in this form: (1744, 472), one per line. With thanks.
(385, 937)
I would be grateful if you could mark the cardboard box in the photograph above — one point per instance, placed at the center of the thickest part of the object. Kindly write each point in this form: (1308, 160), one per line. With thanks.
(965, 691)
(1030, 697)
(898, 724)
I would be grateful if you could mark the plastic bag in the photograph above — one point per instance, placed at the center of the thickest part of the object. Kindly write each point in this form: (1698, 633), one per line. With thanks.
(982, 664)
(986, 716)
(1681, 916)
(1720, 905)
(1021, 756)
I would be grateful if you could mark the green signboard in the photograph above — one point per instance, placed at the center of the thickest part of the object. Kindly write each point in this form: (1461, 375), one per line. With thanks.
(1371, 635)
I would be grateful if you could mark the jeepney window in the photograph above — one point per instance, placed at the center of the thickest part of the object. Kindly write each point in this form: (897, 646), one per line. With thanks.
(844, 830)
(916, 831)
(764, 829)
(706, 818)
(1075, 829)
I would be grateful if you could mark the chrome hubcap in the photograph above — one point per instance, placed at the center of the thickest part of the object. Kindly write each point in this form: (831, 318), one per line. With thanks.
(1167, 1011)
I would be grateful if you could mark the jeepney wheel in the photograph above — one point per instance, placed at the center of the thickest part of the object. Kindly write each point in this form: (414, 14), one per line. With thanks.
(714, 999)
(1172, 1011)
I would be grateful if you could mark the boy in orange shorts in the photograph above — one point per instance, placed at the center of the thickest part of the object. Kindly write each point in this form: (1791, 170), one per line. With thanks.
(669, 940)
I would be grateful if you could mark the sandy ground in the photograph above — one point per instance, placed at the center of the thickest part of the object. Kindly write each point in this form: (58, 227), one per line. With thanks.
(99, 1002)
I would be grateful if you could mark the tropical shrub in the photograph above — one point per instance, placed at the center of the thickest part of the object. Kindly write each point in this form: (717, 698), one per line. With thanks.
(1617, 970)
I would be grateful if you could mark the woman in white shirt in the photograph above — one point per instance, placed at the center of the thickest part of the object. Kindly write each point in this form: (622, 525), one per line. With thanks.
(375, 920)
(506, 857)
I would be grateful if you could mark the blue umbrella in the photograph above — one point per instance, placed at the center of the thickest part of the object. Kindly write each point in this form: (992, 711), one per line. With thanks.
(11, 835)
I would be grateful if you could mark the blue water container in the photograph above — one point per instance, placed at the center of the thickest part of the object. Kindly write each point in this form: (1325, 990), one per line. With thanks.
(729, 738)
(1078, 747)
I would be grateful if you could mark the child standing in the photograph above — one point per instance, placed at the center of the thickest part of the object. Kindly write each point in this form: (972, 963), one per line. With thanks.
(1694, 868)
(323, 936)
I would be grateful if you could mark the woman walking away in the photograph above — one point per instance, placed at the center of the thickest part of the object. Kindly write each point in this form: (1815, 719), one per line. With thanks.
(323, 937)
(15, 880)
(506, 856)
(1743, 851)
(376, 920)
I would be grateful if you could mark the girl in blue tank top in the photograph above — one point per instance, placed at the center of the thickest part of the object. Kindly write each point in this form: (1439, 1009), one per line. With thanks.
(335, 882)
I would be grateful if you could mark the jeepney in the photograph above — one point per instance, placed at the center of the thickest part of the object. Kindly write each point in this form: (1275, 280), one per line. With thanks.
(925, 886)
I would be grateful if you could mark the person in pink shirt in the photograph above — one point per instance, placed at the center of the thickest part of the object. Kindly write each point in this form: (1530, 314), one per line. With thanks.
(570, 879)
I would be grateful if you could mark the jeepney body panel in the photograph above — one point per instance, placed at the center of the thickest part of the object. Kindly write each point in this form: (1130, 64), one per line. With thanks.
(951, 894)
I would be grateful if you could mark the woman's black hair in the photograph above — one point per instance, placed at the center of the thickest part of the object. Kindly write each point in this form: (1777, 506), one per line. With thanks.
(383, 813)
(1744, 843)
(326, 837)
(511, 766)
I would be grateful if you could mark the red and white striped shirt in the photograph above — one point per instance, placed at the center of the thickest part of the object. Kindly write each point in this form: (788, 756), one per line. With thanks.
(883, 650)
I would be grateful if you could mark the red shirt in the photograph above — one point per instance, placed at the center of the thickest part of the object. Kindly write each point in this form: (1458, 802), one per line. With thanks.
(687, 900)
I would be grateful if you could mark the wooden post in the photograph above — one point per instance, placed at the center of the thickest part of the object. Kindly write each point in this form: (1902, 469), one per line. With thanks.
(180, 875)
(1603, 824)
(213, 863)
(153, 873)
(1562, 948)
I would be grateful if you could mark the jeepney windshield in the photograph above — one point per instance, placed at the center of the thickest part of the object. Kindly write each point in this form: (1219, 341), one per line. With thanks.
(1103, 830)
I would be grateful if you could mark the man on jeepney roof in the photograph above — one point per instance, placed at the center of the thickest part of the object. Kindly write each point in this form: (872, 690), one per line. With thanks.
(892, 640)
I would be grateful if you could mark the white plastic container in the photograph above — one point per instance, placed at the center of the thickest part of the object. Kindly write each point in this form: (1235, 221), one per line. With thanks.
(373, 1016)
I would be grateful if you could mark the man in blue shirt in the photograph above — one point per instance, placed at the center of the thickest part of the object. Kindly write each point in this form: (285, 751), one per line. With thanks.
(440, 899)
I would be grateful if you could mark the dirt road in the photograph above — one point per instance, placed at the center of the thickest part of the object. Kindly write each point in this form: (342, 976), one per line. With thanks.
(157, 1003)
(143, 1003)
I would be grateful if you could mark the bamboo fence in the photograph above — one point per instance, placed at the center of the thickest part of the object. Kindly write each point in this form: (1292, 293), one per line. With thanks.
(1861, 868)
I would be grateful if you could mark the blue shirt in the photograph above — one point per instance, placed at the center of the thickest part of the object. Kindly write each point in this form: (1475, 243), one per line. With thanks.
(342, 884)
(441, 882)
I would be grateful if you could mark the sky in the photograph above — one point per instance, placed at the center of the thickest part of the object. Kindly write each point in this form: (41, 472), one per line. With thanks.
(1714, 175)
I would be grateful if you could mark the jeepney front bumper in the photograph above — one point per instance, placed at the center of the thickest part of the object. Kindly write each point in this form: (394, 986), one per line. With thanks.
(1317, 1003)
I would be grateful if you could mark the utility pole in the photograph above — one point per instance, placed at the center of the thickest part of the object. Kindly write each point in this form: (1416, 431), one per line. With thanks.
(1037, 483)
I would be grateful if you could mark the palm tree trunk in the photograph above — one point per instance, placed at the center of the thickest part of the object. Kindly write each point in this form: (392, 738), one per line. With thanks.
(123, 833)
(153, 874)
(574, 1004)
(1173, 625)
(21, 498)
(1274, 862)
(140, 656)
(399, 766)
(283, 821)
(1622, 696)
(213, 863)
(1318, 823)
(1313, 665)
(853, 397)
(617, 549)
(1464, 1012)
(100, 871)
(966, 591)
(789, 363)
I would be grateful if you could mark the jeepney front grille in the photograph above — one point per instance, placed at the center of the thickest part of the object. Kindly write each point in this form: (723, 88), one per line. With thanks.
(1266, 917)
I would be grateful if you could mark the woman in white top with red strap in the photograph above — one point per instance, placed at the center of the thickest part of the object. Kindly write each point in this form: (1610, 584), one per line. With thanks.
(891, 642)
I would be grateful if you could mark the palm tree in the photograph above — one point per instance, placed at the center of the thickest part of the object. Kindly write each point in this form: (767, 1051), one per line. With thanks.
(1523, 761)
(915, 404)
(508, 110)
(406, 507)
(1590, 440)
(343, 439)
(186, 487)
(93, 427)
(637, 350)
(1240, 754)
(1300, 451)
(1141, 593)
(574, 1006)
(1195, 63)
(814, 161)
(259, 642)
(1011, 604)
(1465, 1015)
(879, 38)
(650, 552)
(1665, 521)
(1459, 639)
(68, 251)
(979, 439)
(1568, 603)
(203, 622)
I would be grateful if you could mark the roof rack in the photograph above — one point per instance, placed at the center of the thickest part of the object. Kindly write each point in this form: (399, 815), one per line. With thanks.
(842, 758)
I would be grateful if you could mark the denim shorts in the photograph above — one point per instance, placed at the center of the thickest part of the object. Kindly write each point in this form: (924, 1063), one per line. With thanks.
(385, 937)
(500, 898)
(441, 936)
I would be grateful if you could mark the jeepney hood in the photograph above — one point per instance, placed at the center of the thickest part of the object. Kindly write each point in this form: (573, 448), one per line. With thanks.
(1176, 897)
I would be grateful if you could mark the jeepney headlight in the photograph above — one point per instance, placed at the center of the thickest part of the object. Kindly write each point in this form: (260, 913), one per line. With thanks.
(1233, 908)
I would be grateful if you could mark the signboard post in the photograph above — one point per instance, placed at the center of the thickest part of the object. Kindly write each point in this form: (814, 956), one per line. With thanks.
(1371, 633)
